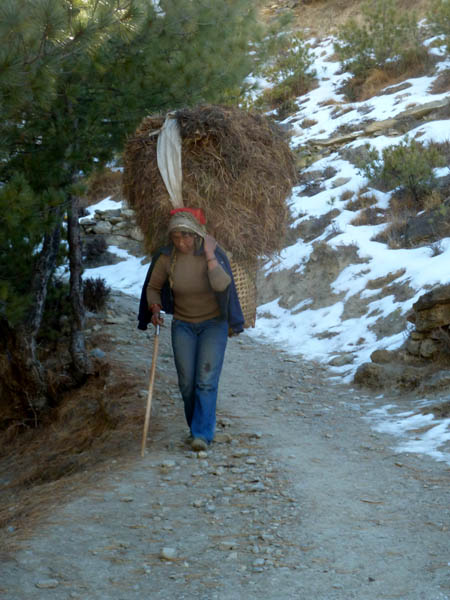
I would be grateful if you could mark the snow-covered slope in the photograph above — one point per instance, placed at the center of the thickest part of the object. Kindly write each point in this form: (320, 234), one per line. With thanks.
(325, 332)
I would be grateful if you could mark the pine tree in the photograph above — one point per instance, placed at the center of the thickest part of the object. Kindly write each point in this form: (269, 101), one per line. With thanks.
(76, 77)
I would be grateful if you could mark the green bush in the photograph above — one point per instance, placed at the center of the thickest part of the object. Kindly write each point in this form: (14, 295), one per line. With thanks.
(387, 35)
(409, 166)
(439, 18)
(290, 73)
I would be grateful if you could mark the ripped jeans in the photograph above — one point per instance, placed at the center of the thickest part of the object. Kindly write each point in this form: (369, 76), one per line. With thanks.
(199, 350)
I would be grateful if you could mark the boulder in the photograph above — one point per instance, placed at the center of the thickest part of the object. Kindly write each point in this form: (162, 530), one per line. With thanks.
(429, 348)
(102, 228)
(389, 376)
(413, 347)
(438, 295)
(382, 357)
(430, 318)
(436, 382)
(380, 126)
(424, 109)
(338, 140)
(432, 311)
(341, 360)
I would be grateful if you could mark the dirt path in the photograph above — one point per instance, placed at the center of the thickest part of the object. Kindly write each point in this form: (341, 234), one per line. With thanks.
(297, 499)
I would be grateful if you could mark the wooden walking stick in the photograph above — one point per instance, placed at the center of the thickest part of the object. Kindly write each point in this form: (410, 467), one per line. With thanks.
(150, 391)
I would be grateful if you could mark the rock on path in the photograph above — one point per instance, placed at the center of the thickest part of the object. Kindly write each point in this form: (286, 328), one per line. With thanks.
(297, 499)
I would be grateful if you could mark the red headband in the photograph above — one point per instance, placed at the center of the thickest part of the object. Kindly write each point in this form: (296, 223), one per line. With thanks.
(195, 212)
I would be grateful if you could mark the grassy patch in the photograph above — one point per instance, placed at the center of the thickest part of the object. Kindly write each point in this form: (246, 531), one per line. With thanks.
(308, 123)
(442, 83)
(381, 282)
(394, 234)
(370, 84)
(362, 200)
(369, 216)
(432, 200)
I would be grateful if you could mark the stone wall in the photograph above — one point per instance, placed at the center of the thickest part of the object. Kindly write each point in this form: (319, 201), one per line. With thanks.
(423, 362)
(117, 226)
(431, 318)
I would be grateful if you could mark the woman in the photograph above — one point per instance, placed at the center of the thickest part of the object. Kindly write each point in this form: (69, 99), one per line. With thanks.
(191, 279)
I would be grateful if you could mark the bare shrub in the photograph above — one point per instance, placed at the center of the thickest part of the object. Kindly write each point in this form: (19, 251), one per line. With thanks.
(362, 200)
(402, 206)
(93, 248)
(329, 102)
(95, 293)
(345, 196)
(436, 248)
(393, 236)
(381, 282)
(308, 123)
(369, 216)
(432, 200)
(412, 64)
(442, 83)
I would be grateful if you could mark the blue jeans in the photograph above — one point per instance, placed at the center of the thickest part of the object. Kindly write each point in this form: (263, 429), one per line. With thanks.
(199, 350)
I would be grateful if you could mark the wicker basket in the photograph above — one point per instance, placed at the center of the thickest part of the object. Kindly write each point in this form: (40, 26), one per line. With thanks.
(244, 274)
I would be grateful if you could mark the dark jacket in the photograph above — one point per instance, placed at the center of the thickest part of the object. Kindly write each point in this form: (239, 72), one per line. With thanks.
(230, 309)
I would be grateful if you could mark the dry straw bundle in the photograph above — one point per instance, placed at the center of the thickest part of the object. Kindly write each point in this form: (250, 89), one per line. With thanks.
(237, 167)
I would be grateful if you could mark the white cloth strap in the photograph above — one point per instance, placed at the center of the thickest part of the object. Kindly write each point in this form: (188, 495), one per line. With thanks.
(168, 153)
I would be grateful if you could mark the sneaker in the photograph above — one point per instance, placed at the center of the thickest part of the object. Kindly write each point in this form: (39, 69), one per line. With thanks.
(198, 445)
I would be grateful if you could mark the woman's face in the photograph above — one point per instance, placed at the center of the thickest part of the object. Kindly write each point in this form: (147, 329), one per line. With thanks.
(184, 241)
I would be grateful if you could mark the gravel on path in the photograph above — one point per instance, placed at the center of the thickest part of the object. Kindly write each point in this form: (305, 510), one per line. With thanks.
(296, 499)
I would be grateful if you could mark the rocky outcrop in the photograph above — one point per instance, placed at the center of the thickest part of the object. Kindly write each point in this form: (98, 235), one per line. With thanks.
(400, 124)
(117, 226)
(429, 226)
(423, 363)
(312, 281)
(431, 317)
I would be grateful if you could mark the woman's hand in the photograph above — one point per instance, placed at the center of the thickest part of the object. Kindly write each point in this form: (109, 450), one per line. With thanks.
(156, 315)
(209, 245)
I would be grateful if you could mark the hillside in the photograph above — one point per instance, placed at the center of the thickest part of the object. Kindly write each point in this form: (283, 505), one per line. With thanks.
(361, 255)
(319, 18)
(316, 486)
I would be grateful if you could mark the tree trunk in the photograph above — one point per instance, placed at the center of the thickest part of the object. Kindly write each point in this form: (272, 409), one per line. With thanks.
(23, 382)
(42, 273)
(82, 365)
(23, 376)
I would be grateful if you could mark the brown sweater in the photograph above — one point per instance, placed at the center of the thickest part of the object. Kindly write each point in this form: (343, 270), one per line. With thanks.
(193, 286)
